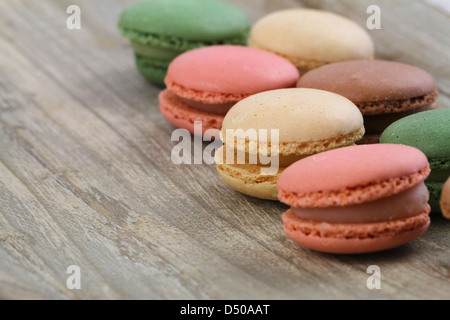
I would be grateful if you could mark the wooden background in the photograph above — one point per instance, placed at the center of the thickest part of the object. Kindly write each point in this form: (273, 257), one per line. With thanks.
(86, 177)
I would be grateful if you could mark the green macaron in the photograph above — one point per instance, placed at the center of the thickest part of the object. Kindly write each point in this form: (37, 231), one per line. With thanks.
(429, 132)
(159, 30)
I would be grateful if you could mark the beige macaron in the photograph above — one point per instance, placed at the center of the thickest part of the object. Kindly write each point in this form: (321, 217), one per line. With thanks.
(445, 199)
(265, 133)
(311, 38)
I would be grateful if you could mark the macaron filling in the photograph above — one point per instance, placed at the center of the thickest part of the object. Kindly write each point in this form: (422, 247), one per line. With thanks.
(220, 108)
(400, 206)
(155, 52)
(437, 175)
(376, 124)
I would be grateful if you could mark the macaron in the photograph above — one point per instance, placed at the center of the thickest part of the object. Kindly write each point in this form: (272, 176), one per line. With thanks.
(445, 199)
(311, 38)
(357, 199)
(160, 30)
(384, 91)
(285, 125)
(429, 132)
(203, 84)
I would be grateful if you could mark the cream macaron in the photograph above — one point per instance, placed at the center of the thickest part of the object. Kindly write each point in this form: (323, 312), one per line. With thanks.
(311, 38)
(266, 132)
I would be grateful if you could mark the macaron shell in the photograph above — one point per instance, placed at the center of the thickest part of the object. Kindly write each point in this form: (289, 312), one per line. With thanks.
(183, 117)
(371, 81)
(428, 131)
(445, 200)
(312, 35)
(378, 236)
(197, 20)
(299, 115)
(234, 70)
(365, 173)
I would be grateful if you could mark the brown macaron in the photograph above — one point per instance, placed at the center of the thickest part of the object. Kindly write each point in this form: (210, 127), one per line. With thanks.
(384, 91)
(445, 199)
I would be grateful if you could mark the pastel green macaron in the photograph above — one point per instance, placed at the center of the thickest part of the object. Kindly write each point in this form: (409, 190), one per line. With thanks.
(160, 30)
(429, 132)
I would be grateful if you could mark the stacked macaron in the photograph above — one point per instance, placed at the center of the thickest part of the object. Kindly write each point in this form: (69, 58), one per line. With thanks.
(203, 84)
(357, 199)
(159, 30)
(429, 132)
(384, 91)
(287, 125)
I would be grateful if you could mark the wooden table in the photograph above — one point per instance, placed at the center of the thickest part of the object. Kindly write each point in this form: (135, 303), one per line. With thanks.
(86, 177)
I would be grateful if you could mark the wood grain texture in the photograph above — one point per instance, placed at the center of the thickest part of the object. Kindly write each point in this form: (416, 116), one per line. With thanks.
(86, 176)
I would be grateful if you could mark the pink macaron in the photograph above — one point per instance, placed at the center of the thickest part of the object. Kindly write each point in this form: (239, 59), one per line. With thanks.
(356, 199)
(203, 84)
